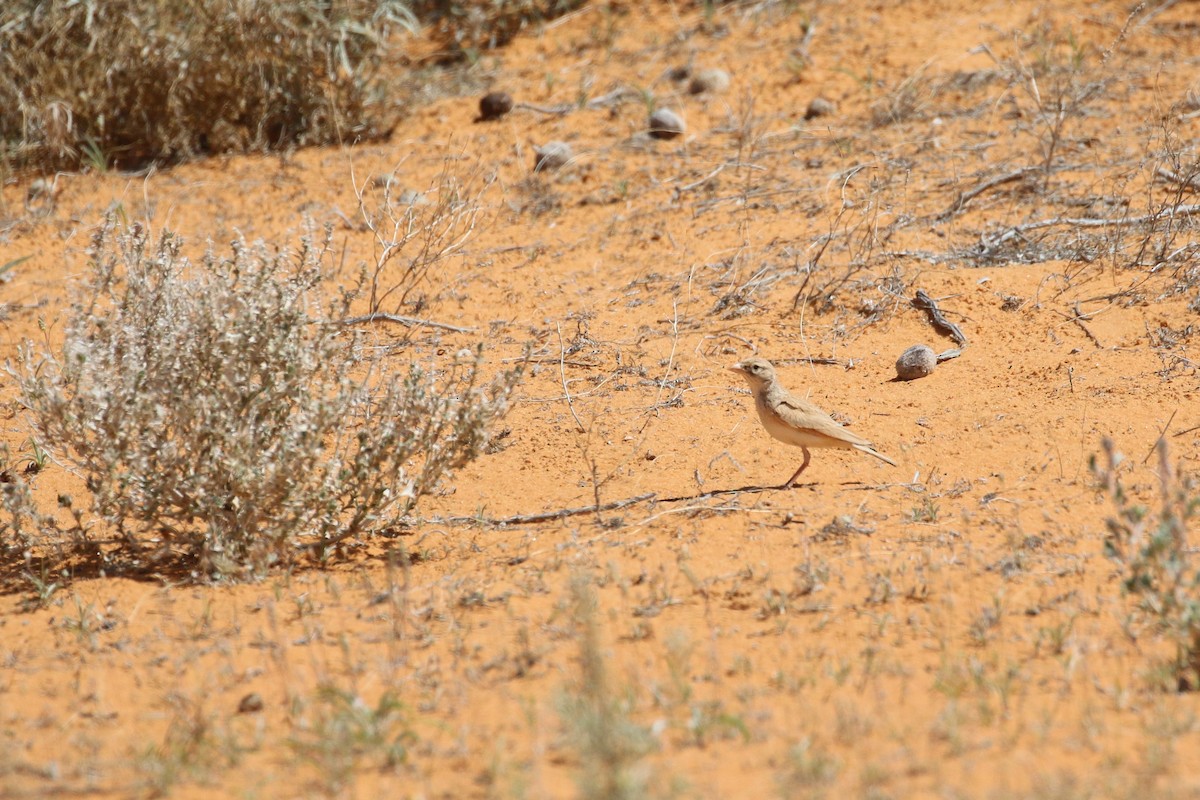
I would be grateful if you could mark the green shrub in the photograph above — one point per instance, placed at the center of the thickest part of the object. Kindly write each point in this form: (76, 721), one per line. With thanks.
(1156, 563)
(222, 416)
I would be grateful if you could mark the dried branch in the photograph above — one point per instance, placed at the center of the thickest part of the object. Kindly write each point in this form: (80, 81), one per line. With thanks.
(990, 244)
(937, 319)
(412, 322)
(965, 197)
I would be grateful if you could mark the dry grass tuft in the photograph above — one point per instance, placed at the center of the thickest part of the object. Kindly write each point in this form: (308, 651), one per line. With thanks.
(124, 82)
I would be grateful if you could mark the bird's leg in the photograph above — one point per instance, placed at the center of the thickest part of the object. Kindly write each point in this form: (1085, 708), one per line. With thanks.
(807, 457)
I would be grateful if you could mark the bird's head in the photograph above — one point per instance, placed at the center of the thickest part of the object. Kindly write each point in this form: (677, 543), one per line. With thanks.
(756, 371)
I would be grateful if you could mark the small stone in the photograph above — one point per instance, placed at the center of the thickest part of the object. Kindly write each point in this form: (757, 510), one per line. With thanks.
(820, 107)
(917, 361)
(678, 74)
(411, 197)
(495, 105)
(712, 81)
(552, 155)
(666, 124)
(251, 704)
(40, 187)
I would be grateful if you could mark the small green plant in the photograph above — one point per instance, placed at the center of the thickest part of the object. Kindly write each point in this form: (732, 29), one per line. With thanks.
(44, 584)
(93, 155)
(345, 734)
(86, 624)
(192, 750)
(908, 101)
(1151, 550)
(809, 771)
(609, 743)
(925, 511)
(37, 459)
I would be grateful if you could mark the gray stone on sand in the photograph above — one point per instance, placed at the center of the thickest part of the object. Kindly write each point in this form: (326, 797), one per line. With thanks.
(552, 155)
(820, 107)
(918, 361)
(666, 124)
(709, 81)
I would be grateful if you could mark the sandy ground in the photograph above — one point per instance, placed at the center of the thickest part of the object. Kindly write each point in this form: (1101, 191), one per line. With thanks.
(949, 627)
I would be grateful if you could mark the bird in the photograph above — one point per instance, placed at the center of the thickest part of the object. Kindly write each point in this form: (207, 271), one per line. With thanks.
(794, 421)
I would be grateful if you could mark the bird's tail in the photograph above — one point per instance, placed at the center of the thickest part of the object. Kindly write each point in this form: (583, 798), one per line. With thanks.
(880, 456)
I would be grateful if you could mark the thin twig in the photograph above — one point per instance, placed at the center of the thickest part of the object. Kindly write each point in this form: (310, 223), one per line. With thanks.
(562, 109)
(412, 322)
(1078, 320)
(1089, 222)
(937, 319)
(969, 195)
(562, 374)
(547, 516)
(1161, 434)
(1189, 181)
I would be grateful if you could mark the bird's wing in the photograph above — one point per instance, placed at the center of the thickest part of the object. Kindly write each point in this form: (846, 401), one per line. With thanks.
(818, 421)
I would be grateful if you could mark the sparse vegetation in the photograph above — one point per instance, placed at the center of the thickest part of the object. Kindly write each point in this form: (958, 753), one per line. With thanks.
(611, 745)
(1157, 565)
(220, 413)
(467, 29)
(126, 82)
(339, 733)
(609, 601)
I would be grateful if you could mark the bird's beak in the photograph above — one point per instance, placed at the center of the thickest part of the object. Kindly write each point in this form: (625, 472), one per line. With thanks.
(737, 368)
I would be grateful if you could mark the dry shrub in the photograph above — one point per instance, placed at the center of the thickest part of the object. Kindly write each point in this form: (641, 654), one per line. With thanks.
(223, 419)
(465, 27)
(124, 82)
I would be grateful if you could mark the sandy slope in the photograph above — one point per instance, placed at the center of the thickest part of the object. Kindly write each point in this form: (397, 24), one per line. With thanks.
(949, 627)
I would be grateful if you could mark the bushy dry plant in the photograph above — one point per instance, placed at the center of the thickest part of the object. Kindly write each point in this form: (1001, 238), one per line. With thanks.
(1156, 562)
(416, 232)
(221, 415)
(465, 27)
(130, 81)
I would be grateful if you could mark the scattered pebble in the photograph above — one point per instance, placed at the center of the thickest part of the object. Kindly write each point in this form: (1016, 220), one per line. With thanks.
(495, 105)
(681, 73)
(40, 195)
(820, 107)
(917, 361)
(552, 155)
(251, 704)
(666, 124)
(712, 81)
(411, 197)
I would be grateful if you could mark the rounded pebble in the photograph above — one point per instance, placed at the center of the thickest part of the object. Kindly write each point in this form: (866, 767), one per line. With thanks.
(411, 197)
(917, 361)
(495, 105)
(666, 124)
(552, 155)
(251, 704)
(820, 107)
(709, 80)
